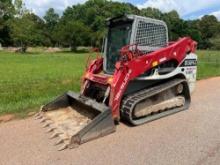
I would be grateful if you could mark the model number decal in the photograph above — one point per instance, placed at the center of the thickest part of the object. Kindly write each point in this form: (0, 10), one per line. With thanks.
(189, 62)
(123, 85)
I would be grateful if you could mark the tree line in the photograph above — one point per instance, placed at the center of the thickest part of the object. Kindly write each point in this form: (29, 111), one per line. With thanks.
(84, 25)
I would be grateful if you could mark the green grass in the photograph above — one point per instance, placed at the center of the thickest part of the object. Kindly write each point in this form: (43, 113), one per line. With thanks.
(30, 80)
(208, 64)
(27, 81)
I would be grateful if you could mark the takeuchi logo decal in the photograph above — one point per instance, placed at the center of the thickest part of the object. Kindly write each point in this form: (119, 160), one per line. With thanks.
(189, 62)
(123, 85)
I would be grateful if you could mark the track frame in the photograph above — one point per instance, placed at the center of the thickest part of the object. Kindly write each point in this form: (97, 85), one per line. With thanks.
(130, 101)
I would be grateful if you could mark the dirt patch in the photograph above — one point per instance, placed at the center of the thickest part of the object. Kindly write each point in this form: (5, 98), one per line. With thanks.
(12, 49)
(69, 119)
(6, 118)
(52, 50)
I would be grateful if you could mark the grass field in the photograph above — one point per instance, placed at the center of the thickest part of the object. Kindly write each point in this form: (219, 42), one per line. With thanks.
(28, 81)
(208, 64)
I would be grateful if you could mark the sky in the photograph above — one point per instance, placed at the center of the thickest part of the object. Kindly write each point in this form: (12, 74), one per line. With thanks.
(188, 9)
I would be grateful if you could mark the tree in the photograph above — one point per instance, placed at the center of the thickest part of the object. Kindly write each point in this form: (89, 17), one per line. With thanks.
(85, 24)
(215, 42)
(73, 34)
(152, 13)
(176, 26)
(20, 8)
(192, 30)
(208, 27)
(51, 19)
(6, 10)
(94, 13)
(6, 13)
(26, 30)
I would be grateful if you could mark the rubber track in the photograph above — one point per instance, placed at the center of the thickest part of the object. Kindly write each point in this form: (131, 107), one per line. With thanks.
(130, 101)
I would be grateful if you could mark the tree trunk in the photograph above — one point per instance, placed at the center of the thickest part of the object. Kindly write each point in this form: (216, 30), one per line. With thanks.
(73, 47)
(23, 48)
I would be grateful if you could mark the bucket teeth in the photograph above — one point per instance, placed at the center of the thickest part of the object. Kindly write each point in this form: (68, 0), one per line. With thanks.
(43, 119)
(47, 124)
(63, 147)
(55, 134)
(50, 129)
(37, 114)
(38, 117)
(59, 142)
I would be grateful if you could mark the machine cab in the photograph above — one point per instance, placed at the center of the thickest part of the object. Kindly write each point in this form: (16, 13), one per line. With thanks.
(149, 34)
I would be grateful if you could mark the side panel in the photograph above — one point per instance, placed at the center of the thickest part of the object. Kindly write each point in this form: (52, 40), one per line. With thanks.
(188, 68)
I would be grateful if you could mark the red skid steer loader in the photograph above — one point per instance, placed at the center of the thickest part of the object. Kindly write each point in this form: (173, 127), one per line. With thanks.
(141, 77)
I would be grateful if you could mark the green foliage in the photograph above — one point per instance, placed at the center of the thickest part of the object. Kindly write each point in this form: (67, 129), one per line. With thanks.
(6, 13)
(94, 14)
(176, 26)
(26, 30)
(152, 13)
(88, 21)
(215, 42)
(20, 8)
(192, 30)
(73, 34)
(208, 26)
(25, 27)
(51, 20)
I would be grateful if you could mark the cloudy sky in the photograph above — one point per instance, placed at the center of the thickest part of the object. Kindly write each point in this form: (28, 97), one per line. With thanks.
(188, 9)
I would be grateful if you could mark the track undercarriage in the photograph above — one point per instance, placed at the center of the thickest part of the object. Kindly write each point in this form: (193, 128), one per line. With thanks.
(150, 104)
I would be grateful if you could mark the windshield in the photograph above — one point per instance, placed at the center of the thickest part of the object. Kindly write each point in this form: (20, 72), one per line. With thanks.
(118, 37)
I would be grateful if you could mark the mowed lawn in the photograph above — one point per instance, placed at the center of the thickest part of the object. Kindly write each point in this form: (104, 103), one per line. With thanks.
(30, 80)
(208, 64)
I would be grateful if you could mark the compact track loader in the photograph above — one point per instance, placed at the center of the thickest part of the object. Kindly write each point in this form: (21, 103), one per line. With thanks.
(141, 77)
